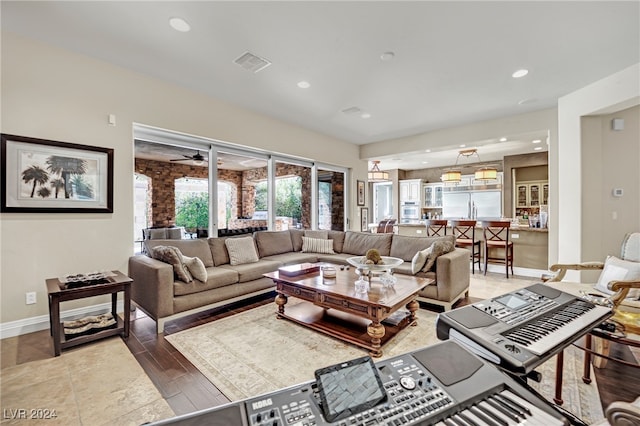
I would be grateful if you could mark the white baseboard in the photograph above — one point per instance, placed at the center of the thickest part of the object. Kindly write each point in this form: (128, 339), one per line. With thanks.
(29, 325)
(521, 272)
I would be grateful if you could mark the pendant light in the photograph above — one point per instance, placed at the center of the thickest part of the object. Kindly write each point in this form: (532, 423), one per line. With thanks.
(376, 175)
(454, 175)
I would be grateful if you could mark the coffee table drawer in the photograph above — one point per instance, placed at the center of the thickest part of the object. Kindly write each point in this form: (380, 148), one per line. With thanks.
(294, 291)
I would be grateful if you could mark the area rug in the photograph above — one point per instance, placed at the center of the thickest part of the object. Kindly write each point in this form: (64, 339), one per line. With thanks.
(253, 352)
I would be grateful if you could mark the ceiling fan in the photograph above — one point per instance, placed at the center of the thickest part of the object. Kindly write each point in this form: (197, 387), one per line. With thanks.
(197, 158)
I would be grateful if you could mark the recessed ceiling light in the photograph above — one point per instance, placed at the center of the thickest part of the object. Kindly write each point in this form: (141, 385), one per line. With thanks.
(537, 148)
(536, 141)
(503, 139)
(520, 73)
(304, 84)
(425, 162)
(427, 150)
(462, 146)
(179, 24)
(365, 115)
(387, 56)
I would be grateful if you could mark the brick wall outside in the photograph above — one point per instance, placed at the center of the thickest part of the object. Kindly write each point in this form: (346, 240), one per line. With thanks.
(163, 176)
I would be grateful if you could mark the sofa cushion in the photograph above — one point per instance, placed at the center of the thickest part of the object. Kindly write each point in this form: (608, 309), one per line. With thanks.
(338, 240)
(320, 234)
(253, 271)
(405, 247)
(241, 250)
(216, 278)
(190, 248)
(439, 247)
(359, 242)
(420, 258)
(195, 267)
(219, 251)
(273, 242)
(317, 245)
(616, 269)
(293, 258)
(172, 256)
(296, 238)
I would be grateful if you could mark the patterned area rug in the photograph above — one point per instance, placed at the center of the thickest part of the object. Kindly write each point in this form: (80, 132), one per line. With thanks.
(253, 352)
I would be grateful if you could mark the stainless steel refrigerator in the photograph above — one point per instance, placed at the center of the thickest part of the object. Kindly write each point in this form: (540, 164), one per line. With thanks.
(472, 205)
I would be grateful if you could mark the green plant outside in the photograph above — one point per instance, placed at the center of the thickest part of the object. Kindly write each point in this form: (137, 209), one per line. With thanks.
(192, 211)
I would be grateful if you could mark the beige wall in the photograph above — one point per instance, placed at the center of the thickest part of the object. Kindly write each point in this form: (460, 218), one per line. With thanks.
(610, 159)
(588, 161)
(53, 94)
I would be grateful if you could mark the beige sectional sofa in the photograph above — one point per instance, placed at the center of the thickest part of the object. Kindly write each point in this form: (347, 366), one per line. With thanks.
(158, 292)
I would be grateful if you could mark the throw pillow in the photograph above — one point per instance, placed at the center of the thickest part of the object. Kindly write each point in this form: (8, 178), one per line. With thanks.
(323, 235)
(196, 268)
(317, 245)
(241, 250)
(173, 256)
(419, 259)
(438, 248)
(616, 270)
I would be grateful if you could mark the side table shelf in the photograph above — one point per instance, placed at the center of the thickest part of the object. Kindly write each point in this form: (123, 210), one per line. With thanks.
(58, 293)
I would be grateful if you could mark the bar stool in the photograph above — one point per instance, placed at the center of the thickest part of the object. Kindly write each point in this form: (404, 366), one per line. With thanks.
(436, 227)
(465, 233)
(386, 226)
(496, 236)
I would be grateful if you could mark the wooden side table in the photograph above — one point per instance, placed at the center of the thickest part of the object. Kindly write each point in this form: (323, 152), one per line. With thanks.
(57, 292)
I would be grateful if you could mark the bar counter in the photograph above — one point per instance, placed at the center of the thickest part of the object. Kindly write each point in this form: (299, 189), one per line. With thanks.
(530, 245)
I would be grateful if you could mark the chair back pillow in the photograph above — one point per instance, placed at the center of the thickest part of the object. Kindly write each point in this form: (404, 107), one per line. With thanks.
(616, 270)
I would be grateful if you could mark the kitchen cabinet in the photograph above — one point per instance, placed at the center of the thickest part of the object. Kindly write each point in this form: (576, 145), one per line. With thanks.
(410, 191)
(433, 195)
(529, 196)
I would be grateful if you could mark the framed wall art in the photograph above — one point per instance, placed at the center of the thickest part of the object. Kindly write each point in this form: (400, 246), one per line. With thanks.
(364, 219)
(360, 192)
(43, 176)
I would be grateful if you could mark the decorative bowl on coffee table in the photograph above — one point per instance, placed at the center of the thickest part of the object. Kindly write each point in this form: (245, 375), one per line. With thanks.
(370, 269)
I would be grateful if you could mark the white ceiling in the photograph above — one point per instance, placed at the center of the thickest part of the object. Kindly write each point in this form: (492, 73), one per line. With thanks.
(452, 65)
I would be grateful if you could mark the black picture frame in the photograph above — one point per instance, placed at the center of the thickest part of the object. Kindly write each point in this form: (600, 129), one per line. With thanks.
(45, 176)
(360, 191)
(364, 219)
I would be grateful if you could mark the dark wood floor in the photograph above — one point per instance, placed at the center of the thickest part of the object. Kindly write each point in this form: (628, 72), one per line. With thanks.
(187, 390)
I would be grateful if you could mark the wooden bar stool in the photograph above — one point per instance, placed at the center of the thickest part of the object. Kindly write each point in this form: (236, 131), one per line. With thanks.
(496, 238)
(465, 233)
(436, 227)
(386, 226)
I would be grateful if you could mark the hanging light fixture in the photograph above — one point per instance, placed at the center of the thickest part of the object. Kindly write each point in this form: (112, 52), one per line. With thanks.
(486, 173)
(454, 175)
(377, 175)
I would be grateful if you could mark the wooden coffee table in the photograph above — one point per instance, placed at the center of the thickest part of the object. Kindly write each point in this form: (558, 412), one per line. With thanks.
(333, 307)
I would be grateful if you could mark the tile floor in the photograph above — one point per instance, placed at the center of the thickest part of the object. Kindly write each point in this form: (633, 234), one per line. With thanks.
(96, 384)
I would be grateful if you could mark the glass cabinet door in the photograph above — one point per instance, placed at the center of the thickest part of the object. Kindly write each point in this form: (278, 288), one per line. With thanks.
(522, 196)
(438, 196)
(428, 191)
(534, 195)
(545, 194)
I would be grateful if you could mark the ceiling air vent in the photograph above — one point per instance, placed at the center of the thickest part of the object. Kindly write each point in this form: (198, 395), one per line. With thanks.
(352, 110)
(251, 62)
